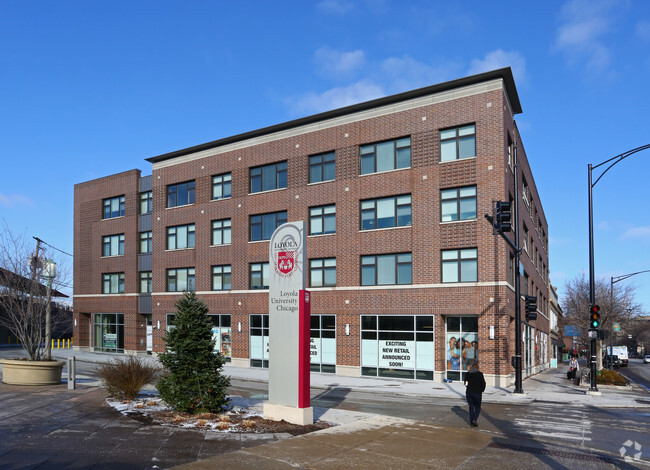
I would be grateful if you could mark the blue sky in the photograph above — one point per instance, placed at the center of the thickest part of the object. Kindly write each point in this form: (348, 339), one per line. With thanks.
(89, 89)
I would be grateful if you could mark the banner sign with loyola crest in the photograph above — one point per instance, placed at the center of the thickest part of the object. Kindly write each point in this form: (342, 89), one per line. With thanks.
(289, 319)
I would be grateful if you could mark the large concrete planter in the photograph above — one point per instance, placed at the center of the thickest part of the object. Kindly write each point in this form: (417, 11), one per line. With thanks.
(21, 372)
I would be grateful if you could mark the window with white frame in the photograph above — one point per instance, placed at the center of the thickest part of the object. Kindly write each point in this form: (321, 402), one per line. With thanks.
(180, 237)
(221, 232)
(322, 220)
(392, 269)
(145, 282)
(113, 245)
(458, 143)
(222, 186)
(180, 279)
(146, 202)
(386, 212)
(459, 265)
(458, 204)
(385, 156)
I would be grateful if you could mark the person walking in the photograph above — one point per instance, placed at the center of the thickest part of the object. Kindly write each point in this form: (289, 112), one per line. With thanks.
(574, 367)
(475, 383)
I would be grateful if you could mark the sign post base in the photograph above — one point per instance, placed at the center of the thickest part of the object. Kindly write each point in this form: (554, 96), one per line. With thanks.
(293, 415)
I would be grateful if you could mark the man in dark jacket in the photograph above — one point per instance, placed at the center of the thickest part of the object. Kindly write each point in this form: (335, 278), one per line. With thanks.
(475, 383)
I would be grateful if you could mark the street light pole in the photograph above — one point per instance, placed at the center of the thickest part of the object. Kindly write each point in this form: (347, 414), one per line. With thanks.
(592, 291)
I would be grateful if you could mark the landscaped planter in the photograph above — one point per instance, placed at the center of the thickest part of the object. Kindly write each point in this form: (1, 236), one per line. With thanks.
(21, 372)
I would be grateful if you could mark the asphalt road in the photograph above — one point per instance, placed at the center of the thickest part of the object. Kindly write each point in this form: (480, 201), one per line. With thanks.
(638, 372)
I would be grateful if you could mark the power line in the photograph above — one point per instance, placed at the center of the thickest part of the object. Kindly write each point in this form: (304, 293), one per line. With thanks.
(53, 247)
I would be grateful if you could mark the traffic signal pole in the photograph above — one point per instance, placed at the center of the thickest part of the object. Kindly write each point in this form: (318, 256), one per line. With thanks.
(593, 385)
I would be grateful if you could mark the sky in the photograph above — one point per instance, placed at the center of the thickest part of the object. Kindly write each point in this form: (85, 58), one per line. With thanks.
(90, 89)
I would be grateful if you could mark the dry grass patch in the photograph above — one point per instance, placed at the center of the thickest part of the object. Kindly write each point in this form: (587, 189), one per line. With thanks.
(249, 423)
(223, 425)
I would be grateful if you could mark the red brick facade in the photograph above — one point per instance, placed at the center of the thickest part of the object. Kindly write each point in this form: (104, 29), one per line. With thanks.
(486, 102)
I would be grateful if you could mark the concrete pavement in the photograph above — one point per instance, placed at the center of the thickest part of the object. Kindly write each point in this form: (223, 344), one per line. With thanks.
(359, 441)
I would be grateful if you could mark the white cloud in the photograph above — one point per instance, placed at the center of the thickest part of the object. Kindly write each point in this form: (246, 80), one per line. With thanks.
(580, 35)
(637, 232)
(339, 7)
(499, 59)
(338, 64)
(407, 73)
(337, 97)
(14, 200)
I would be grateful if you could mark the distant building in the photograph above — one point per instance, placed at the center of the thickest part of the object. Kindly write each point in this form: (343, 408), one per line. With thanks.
(555, 314)
(407, 278)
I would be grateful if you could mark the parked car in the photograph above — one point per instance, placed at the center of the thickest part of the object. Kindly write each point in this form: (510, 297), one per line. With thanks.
(611, 360)
(646, 359)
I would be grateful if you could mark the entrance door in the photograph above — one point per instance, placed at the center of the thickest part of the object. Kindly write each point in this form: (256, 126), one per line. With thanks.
(149, 339)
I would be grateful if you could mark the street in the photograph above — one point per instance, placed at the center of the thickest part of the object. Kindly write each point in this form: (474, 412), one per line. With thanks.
(638, 372)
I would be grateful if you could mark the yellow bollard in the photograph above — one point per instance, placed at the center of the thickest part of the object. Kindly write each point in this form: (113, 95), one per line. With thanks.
(52, 345)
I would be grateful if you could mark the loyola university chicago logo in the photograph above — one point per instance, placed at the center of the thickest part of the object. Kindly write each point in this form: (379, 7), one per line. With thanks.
(285, 251)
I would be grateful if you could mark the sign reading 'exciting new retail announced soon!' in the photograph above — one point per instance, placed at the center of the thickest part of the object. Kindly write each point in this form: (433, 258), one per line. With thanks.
(289, 322)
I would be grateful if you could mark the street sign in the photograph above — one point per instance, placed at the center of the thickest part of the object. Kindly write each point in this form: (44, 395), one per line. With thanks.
(617, 327)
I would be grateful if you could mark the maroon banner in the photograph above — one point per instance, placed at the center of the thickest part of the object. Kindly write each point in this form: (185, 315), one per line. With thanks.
(303, 349)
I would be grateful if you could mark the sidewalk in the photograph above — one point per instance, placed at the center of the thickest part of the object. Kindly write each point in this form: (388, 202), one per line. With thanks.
(549, 386)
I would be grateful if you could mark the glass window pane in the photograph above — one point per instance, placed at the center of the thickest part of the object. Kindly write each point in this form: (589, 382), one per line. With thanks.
(316, 225)
(448, 134)
(467, 147)
(386, 270)
(450, 254)
(328, 171)
(403, 216)
(404, 274)
(268, 178)
(404, 158)
(385, 213)
(367, 149)
(449, 272)
(468, 209)
(467, 130)
(385, 156)
(468, 271)
(448, 194)
(468, 253)
(368, 275)
(367, 164)
(466, 192)
(330, 277)
(448, 151)
(448, 211)
(316, 174)
(404, 142)
(330, 224)
(317, 278)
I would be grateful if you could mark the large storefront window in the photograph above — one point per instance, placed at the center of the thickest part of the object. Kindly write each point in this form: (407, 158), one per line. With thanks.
(400, 346)
(109, 332)
(259, 341)
(461, 345)
(222, 334)
(529, 350)
(322, 347)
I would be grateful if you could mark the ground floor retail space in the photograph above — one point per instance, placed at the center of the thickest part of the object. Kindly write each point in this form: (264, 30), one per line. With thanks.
(420, 347)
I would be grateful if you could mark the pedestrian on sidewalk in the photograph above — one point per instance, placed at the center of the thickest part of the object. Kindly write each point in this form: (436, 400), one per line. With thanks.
(574, 367)
(475, 383)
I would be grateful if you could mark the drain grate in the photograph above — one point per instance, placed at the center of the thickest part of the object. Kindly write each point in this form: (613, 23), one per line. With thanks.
(555, 453)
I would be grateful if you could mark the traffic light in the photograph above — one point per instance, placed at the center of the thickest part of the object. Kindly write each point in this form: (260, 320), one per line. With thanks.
(503, 219)
(531, 308)
(594, 317)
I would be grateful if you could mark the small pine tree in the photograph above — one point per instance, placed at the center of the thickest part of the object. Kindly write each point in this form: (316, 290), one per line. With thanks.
(193, 380)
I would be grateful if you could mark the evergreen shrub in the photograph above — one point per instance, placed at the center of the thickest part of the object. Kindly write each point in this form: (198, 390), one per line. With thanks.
(192, 379)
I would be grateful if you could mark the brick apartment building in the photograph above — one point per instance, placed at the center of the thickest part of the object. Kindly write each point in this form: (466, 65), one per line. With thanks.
(407, 278)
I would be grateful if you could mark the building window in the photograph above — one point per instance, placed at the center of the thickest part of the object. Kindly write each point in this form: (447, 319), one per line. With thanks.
(386, 212)
(322, 272)
(145, 282)
(146, 202)
(322, 220)
(268, 177)
(259, 341)
(222, 335)
(262, 226)
(113, 245)
(321, 167)
(322, 343)
(385, 156)
(460, 265)
(458, 204)
(525, 239)
(180, 237)
(180, 280)
(457, 143)
(259, 275)
(180, 194)
(113, 207)
(222, 186)
(221, 232)
(113, 283)
(145, 242)
(525, 192)
(461, 345)
(221, 277)
(108, 332)
(382, 270)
